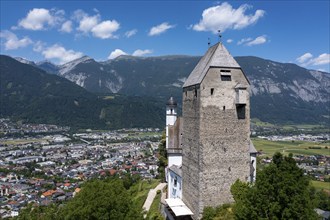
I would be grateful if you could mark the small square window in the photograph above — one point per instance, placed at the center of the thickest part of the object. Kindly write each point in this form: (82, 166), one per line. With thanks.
(225, 78)
(225, 75)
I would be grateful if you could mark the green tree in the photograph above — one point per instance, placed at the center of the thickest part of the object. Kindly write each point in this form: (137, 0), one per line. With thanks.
(162, 163)
(98, 199)
(281, 191)
(223, 212)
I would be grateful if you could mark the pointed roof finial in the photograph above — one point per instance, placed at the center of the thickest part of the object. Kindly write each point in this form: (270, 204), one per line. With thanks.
(219, 31)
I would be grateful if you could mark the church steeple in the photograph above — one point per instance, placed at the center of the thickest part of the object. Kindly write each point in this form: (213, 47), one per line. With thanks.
(171, 114)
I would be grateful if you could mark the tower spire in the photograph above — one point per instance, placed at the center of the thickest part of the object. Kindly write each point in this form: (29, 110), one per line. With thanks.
(219, 35)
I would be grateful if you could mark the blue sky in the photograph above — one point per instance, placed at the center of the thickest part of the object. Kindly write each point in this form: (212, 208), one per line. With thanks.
(60, 31)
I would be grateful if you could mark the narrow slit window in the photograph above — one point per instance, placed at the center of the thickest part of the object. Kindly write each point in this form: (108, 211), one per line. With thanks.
(212, 91)
(195, 92)
(225, 75)
(224, 108)
(240, 109)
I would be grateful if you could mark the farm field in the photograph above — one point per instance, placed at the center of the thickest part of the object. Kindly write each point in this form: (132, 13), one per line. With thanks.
(321, 185)
(268, 148)
(23, 141)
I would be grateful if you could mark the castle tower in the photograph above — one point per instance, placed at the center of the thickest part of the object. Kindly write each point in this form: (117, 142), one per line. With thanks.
(216, 130)
(171, 114)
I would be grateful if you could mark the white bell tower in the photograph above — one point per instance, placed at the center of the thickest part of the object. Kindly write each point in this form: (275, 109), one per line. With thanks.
(171, 114)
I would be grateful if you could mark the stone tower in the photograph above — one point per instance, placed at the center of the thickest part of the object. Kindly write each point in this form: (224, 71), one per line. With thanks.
(216, 130)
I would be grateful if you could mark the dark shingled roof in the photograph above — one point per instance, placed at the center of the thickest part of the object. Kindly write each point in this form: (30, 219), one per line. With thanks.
(216, 56)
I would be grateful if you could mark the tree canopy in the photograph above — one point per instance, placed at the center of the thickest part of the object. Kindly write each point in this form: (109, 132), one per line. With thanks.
(98, 199)
(281, 191)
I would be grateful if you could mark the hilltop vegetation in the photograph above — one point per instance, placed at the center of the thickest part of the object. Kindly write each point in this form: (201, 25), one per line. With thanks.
(110, 198)
(281, 191)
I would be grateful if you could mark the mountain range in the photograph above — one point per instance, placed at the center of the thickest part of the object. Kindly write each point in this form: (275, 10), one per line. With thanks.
(32, 95)
(281, 93)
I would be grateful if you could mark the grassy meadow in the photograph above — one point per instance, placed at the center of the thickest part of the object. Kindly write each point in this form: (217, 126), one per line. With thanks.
(268, 148)
(321, 185)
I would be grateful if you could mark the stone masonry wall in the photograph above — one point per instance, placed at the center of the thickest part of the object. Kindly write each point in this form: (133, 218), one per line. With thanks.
(190, 148)
(215, 141)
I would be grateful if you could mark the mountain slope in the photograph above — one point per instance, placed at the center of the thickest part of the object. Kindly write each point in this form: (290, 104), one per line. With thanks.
(30, 94)
(281, 93)
(286, 93)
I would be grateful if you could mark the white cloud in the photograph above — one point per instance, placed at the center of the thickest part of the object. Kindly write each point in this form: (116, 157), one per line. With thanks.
(106, 29)
(87, 23)
(258, 40)
(39, 46)
(304, 57)
(140, 53)
(251, 42)
(61, 54)
(321, 59)
(159, 29)
(244, 40)
(130, 33)
(224, 16)
(116, 53)
(66, 27)
(93, 24)
(40, 18)
(230, 41)
(12, 42)
(308, 60)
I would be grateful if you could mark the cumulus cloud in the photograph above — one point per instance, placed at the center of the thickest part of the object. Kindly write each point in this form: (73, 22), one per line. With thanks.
(116, 53)
(105, 29)
(159, 29)
(61, 54)
(40, 19)
(244, 40)
(130, 33)
(308, 60)
(258, 40)
(94, 25)
(12, 42)
(321, 59)
(224, 16)
(251, 42)
(230, 41)
(87, 23)
(140, 53)
(304, 57)
(66, 27)
(39, 46)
